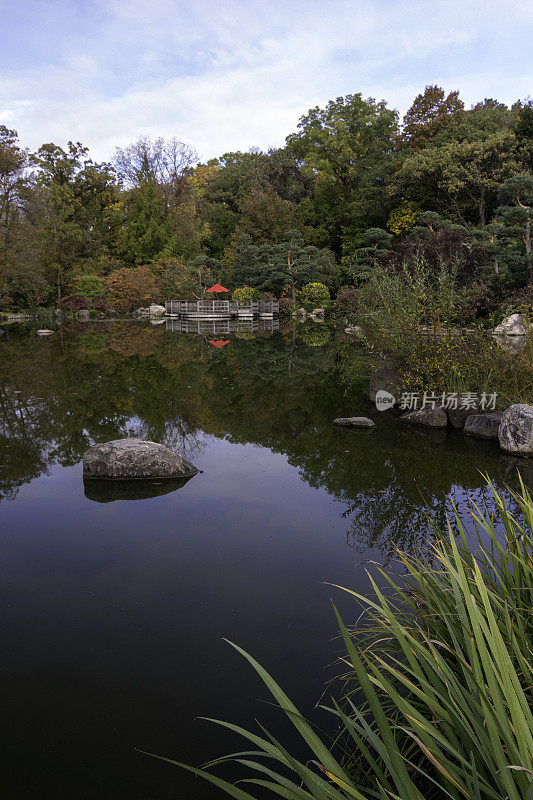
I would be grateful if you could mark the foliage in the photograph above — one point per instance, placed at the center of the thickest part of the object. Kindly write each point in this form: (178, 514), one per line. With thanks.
(443, 667)
(89, 286)
(131, 288)
(314, 295)
(348, 192)
(245, 294)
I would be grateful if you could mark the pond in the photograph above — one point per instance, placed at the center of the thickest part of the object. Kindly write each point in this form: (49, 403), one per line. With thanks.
(114, 600)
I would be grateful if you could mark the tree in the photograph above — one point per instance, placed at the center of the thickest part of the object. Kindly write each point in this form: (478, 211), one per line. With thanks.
(131, 288)
(291, 262)
(178, 281)
(346, 148)
(75, 194)
(148, 233)
(428, 115)
(517, 193)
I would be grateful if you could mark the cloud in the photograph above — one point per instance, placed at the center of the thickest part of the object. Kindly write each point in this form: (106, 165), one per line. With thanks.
(229, 75)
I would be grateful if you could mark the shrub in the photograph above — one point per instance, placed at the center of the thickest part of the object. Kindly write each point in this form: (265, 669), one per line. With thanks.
(314, 295)
(245, 294)
(131, 288)
(73, 302)
(89, 286)
(346, 300)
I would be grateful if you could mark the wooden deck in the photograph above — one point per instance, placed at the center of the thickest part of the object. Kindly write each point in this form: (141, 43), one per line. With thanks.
(221, 309)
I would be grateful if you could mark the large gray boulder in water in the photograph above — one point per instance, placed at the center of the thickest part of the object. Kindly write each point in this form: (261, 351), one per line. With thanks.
(134, 459)
(516, 429)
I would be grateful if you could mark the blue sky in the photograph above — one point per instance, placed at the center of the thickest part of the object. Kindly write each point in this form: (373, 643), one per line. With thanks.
(227, 74)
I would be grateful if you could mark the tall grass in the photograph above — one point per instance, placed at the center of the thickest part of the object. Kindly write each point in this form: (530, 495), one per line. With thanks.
(437, 698)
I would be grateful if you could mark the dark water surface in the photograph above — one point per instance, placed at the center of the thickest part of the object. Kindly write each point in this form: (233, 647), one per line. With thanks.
(114, 599)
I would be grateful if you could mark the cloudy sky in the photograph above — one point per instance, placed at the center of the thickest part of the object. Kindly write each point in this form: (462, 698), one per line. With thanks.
(231, 74)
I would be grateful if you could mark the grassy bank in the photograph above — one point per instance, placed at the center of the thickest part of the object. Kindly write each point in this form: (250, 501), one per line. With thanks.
(436, 699)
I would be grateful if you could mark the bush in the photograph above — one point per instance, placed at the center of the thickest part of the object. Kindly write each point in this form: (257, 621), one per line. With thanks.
(346, 300)
(131, 288)
(245, 294)
(314, 295)
(89, 286)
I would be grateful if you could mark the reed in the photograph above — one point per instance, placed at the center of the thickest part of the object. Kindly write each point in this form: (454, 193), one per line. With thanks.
(443, 663)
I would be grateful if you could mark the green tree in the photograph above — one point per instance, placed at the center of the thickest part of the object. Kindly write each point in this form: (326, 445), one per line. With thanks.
(346, 148)
(517, 193)
(75, 194)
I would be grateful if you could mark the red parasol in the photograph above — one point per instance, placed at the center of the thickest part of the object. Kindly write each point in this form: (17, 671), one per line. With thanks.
(217, 288)
(218, 342)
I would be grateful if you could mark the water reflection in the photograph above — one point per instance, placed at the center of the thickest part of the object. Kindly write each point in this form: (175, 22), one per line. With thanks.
(221, 327)
(279, 389)
(102, 491)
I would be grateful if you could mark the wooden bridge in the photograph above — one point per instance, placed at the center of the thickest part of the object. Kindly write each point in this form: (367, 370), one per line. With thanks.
(222, 309)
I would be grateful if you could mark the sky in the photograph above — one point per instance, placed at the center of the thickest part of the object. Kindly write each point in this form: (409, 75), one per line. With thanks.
(225, 75)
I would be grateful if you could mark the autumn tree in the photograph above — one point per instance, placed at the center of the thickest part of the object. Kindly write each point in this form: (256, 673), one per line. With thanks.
(428, 115)
(131, 288)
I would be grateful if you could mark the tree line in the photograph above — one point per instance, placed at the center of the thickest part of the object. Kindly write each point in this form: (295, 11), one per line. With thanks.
(353, 190)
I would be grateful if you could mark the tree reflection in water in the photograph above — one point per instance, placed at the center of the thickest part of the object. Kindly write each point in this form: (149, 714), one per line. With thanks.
(281, 390)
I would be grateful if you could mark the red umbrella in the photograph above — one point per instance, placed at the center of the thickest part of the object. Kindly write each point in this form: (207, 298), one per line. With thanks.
(217, 288)
(218, 342)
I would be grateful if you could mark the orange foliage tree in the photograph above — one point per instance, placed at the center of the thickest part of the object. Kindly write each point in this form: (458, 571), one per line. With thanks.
(130, 288)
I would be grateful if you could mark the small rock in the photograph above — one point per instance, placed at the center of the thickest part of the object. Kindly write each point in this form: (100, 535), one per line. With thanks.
(302, 313)
(458, 416)
(156, 311)
(428, 417)
(83, 315)
(516, 429)
(134, 459)
(354, 422)
(44, 332)
(483, 425)
(112, 314)
(515, 325)
(318, 313)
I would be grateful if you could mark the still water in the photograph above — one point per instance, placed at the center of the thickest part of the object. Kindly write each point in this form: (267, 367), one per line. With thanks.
(114, 600)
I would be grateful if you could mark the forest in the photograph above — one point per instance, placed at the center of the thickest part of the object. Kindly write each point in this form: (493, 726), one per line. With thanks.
(354, 191)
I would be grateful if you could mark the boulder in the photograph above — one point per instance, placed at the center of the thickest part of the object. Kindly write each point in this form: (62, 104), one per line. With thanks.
(318, 313)
(516, 430)
(459, 415)
(354, 422)
(112, 314)
(515, 325)
(385, 378)
(156, 311)
(512, 344)
(428, 417)
(44, 332)
(83, 315)
(134, 459)
(302, 313)
(483, 425)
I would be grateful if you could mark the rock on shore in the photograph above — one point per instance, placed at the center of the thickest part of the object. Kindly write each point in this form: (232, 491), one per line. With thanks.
(485, 426)
(516, 429)
(134, 459)
(428, 417)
